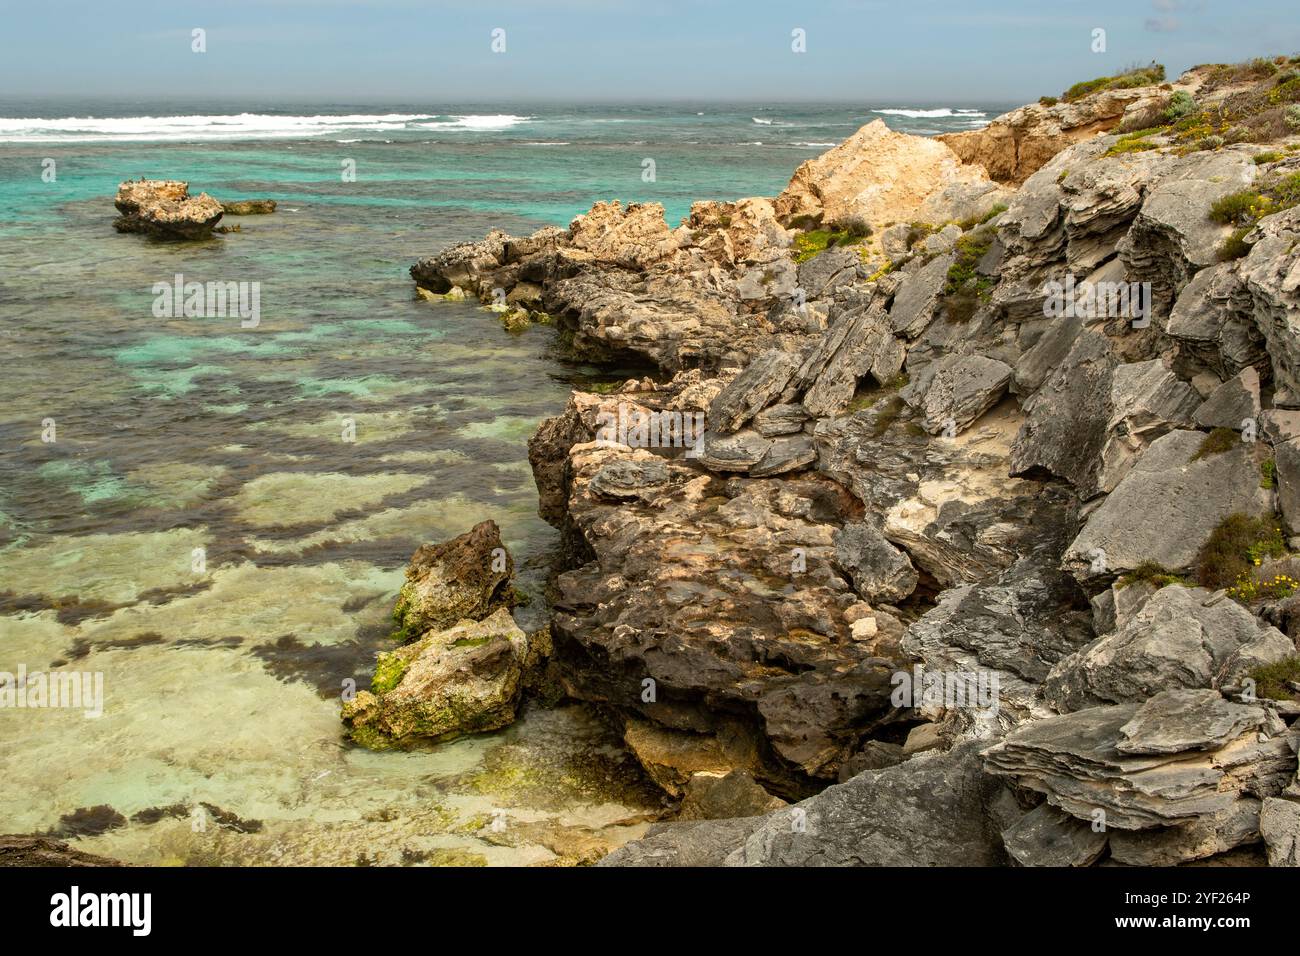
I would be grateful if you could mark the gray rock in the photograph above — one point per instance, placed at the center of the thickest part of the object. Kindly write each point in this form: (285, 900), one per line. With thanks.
(738, 452)
(1232, 403)
(1286, 458)
(785, 419)
(1199, 839)
(858, 343)
(1146, 401)
(1181, 638)
(787, 453)
(626, 478)
(1279, 824)
(1047, 837)
(874, 755)
(1193, 719)
(880, 571)
(960, 389)
(932, 810)
(918, 297)
(1166, 506)
(693, 843)
(758, 386)
(820, 275)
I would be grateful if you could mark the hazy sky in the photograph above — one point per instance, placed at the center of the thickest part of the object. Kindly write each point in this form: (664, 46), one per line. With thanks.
(371, 51)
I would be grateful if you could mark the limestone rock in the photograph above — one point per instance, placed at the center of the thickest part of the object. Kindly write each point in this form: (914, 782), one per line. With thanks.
(165, 208)
(466, 577)
(462, 680)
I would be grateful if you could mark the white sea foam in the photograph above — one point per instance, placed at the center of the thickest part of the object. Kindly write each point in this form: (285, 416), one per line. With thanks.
(80, 129)
(930, 114)
(761, 122)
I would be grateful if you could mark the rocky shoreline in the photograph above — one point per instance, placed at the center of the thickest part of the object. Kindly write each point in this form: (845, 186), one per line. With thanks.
(1062, 521)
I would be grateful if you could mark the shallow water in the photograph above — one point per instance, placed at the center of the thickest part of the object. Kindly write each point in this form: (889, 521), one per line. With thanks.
(199, 531)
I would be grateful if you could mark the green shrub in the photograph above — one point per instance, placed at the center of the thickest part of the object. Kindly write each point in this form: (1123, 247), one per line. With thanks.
(965, 288)
(1268, 473)
(1235, 206)
(1048, 100)
(1150, 572)
(1268, 156)
(1138, 76)
(1235, 547)
(1216, 442)
(1235, 246)
(1272, 681)
(1180, 104)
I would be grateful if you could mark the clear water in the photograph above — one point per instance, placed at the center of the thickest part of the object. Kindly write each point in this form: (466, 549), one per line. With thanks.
(173, 434)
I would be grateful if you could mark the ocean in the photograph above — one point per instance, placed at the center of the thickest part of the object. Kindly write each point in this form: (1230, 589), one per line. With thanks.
(184, 514)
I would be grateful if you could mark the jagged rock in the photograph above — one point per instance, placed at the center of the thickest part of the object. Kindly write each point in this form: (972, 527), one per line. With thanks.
(1233, 403)
(1047, 837)
(462, 680)
(739, 452)
(1181, 637)
(1206, 836)
(788, 453)
(1166, 506)
(785, 419)
(1190, 719)
(1017, 144)
(933, 810)
(858, 343)
(880, 572)
(822, 274)
(918, 297)
(165, 208)
(1075, 762)
(625, 478)
(712, 796)
(1271, 277)
(753, 390)
(1286, 458)
(725, 594)
(466, 577)
(957, 391)
(881, 177)
(1279, 824)
(1212, 322)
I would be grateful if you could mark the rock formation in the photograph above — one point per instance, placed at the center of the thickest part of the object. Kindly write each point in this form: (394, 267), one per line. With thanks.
(951, 516)
(164, 208)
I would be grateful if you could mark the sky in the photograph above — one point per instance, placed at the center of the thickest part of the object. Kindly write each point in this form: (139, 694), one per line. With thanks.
(376, 51)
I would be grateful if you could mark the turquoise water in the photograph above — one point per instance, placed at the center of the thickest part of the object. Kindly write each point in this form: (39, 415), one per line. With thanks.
(175, 438)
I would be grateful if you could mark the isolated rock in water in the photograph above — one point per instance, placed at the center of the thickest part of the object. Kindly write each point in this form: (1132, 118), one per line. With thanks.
(165, 208)
(1233, 403)
(960, 390)
(936, 809)
(714, 796)
(467, 577)
(1165, 508)
(881, 176)
(449, 683)
(1182, 637)
(249, 207)
(1046, 836)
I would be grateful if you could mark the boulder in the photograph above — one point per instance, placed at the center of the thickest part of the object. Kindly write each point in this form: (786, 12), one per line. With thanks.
(1182, 637)
(957, 391)
(466, 577)
(713, 796)
(165, 209)
(248, 207)
(1233, 403)
(462, 680)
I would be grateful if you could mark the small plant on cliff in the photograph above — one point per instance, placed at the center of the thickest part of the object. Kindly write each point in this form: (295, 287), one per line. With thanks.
(1180, 104)
(1150, 572)
(1047, 101)
(966, 288)
(1268, 156)
(1235, 548)
(1217, 442)
(1274, 681)
(1268, 473)
(1134, 142)
(1137, 76)
(1246, 207)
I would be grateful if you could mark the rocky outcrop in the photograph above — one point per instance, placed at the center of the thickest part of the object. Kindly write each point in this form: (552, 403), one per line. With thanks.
(947, 449)
(1179, 777)
(882, 177)
(462, 665)
(165, 209)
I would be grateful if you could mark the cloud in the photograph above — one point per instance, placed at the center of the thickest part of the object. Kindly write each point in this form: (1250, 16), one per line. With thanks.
(1162, 24)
